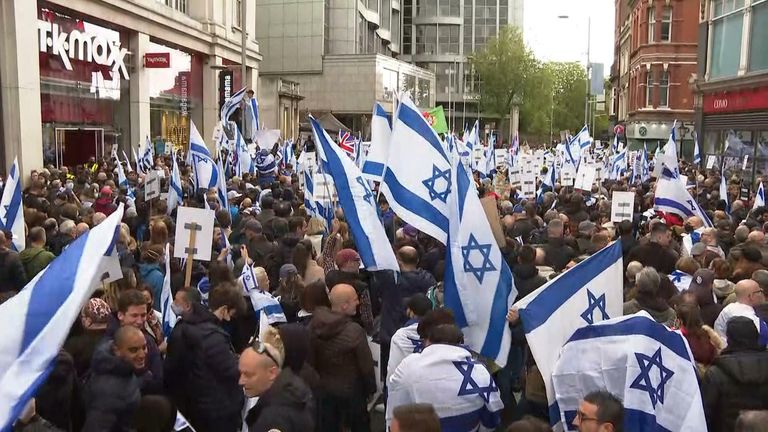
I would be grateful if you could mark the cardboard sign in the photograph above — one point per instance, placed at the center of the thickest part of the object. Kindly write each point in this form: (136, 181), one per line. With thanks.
(622, 206)
(151, 186)
(711, 159)
(325, 189)
(477, 154)
(528, 185)
(567, 175)
(109, 269)
(514, 177)
(585, 177)
(201, 220)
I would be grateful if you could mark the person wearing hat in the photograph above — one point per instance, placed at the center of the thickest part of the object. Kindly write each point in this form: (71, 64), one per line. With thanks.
(701, 287)
(93, 318)
(289, 290)
(104, 203)
(348, 272)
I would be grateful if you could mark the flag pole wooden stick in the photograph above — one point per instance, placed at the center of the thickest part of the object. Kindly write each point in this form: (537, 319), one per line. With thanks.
(190, 250)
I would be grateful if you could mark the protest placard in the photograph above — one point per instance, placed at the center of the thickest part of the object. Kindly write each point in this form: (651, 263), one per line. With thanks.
(622, 205)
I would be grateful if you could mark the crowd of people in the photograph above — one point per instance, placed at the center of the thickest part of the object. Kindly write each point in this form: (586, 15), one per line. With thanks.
(120, 370)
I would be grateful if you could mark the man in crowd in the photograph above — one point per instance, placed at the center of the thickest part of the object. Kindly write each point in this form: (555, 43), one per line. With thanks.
(748, 296)
(600, 411)
(35, 257)
(12, 274)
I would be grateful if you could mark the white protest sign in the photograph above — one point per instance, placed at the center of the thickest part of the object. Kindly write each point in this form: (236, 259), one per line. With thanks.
(744, 164)
(109, 269)
(500, 156)
(567, 175)
(311, 160)
(622, 206)
(684, 180)
(528, 181)
(199, 220)
(585, 177)
(325, 189)
(514, 177)
(711, 159)
(477, 154)
(151, 186)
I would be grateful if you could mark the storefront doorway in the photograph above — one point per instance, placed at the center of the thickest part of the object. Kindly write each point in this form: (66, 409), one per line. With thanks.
(74, 146)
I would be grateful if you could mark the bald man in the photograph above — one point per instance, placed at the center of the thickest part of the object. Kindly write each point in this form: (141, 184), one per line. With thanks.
(343, 360)
(748, 295)
(756, 237)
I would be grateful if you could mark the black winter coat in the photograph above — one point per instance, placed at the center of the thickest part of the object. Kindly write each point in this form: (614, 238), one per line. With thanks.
(112, 393)
(12, 274)
(734, 382)
(558, 253)
(201, 368)
(287, 406)
(527, 279)
(392, 307)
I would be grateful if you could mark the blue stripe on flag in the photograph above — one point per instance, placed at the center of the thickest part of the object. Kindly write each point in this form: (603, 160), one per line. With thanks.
(416, 204)
(273, 309)
(379, 111)
(451, 290)
(14, 206)
(471, 420)
(415, 121)
(572, 282)
(666, 202)
(373, 168)
(498, 322)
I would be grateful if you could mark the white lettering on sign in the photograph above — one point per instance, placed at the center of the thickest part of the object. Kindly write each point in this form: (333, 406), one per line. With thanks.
(721, 103)
(82, 46)
(184, 81)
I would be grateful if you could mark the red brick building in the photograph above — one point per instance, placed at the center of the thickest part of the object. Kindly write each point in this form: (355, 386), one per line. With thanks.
(656, 49)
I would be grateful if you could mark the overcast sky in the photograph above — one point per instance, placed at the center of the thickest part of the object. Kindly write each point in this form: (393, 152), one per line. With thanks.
(556, 39)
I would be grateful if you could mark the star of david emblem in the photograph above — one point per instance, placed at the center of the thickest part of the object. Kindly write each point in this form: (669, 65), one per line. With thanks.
(594, 303)
(368, 197)
(431, 184)
(418, 345)
(468, 384)
(485, 252)
(644, 382)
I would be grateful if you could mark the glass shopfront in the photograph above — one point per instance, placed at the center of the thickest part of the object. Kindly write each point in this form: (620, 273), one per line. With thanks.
(84, 86)
(175, 86)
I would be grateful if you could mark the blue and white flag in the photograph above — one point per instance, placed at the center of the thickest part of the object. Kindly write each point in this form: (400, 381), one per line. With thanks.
(253, 110)
(262, 301)
(479, 287)
(221, 187)
(724, 192)
(669, 155)
(166, 296)
(472, 141)
(378, 153)
(583, 138)
(244, 162)
(759, 197)
(204, 168)
(417, 180)
(11, 208)
(289, 156)
(672, 197)
(122, 181)
(615, 144)
(265, 164)
(147, 160)
(590, 292)
(489, 169)
(231, 105)
(696, 152)
(647, 366)
(618, 165)
(127, 162)
(682, 280)
(358, 202)
(175, 194)
(38, 319)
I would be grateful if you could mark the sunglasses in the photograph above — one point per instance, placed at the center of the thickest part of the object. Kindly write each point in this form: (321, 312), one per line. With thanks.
(261, 348)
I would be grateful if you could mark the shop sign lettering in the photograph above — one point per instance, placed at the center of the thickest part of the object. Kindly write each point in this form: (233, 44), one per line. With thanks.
(84, 46)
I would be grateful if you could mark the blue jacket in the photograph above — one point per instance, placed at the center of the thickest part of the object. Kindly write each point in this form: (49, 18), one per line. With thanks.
(152, 275)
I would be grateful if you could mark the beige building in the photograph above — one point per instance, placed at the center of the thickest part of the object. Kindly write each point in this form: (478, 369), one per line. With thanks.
(77, 76)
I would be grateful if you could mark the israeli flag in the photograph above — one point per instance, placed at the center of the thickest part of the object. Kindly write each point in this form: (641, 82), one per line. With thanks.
(696, 152)
(127, 162)
(672, 197)
(305, 170)
(175, 195)
(615, 144)
(11, 208)
(378, 153)
(724, 192)
(472, 141)
(490, 158)
(244, 161)
(166, 296)
(36, 321)
(358, 202)
(417, 180)
(682, 280)
(122, 181)
(548, 182)
(204, 168)
(221, 186)
(669, 155)
(262, 301)
(759, 197)
(583, 138)
(647, 366)
(573, 153)
(147, 160)
(230, 105)
(289, 157)
(618, 165)
(590, 292)
(479, 287)
(253, 109)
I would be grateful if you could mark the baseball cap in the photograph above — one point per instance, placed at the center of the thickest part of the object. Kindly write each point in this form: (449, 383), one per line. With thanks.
(233, 194)
(702, 279)
(288, 270)
(97, 310)
(346, 255)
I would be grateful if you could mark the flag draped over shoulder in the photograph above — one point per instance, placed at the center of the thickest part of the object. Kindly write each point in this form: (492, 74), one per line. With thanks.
(589, 292)
(672, 197)
(417, 180)
(262, 301)
(649, 367)
(381, 132)
(358, 202)
(36, 321)
(479, 287)
(11, 208)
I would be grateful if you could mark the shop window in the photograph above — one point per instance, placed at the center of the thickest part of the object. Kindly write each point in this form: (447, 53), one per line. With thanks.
(649, 89)
(664, 89)
(651, 24)
(666, 25)
(758, 59)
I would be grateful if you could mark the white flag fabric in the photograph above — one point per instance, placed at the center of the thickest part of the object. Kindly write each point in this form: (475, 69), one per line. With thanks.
(479, 287)
(166, 296)
(668, 156)
(204, 168)
(147, 159)
(682, 280)
(472, 141)
(175, 194)
(127, 162)
(378, 153)
(417, 180)
(696, 152)
(460, 388)
(589, 292)
(244, 162)
(221, 186)
(724, 192)
(358, 202)
(231, 104)
(36, 321)
(11, 208)
(672, 197)
(646, 365)
(618, 165)
(759, 197)
(262, 301)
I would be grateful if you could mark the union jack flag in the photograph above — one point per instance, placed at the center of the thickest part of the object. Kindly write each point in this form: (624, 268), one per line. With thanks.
(347, 142)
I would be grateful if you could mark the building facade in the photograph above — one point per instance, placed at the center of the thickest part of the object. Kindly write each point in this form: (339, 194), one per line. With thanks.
(733, 84)
(115, 72)
(656, 59)
(440, 35)
(342, 54)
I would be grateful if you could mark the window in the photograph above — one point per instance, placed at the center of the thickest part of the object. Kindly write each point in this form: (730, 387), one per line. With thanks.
(422, 93)
(386, 18)
(664, 89)
(666, 25)
(758, 58)
(179, 5)
(727, 24)
(396, 28)
(426, 39)
(651, 24)
(238, 8)
(649, 89)
(450, 8)
(407, 35)
(448, 39)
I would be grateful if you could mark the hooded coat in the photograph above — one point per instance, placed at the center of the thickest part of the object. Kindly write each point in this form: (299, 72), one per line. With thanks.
(287, 406)
(112, 393)
(35, 259)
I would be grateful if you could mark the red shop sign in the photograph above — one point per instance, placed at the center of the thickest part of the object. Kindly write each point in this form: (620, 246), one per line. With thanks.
(736, 101)
(157, 60)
